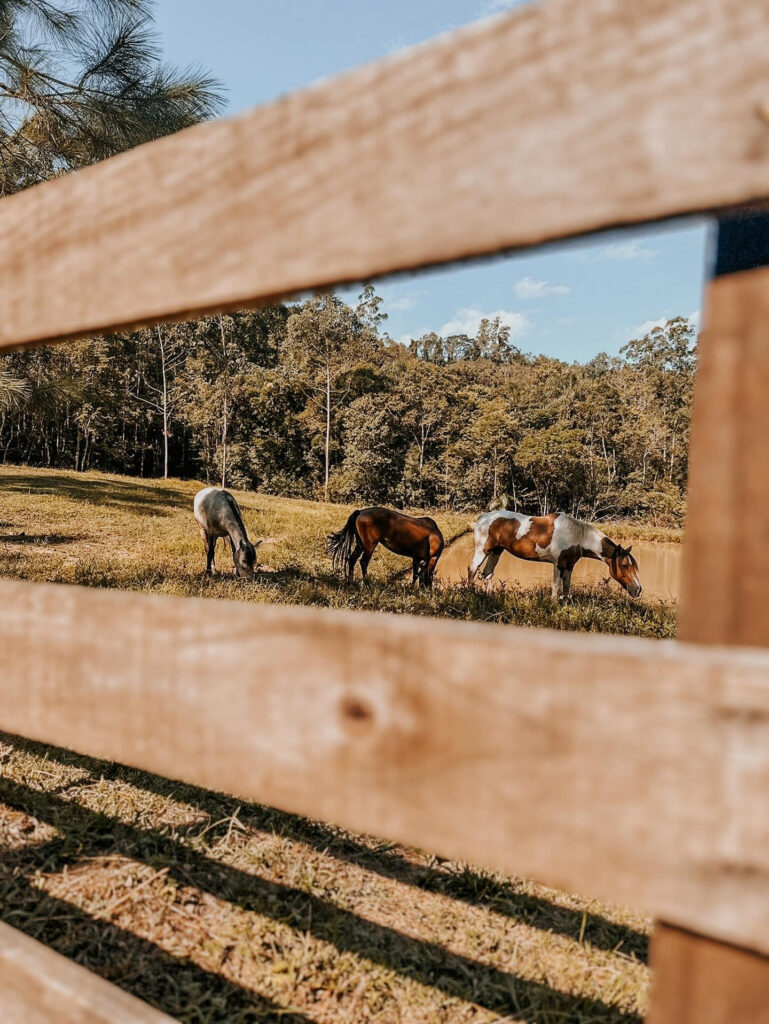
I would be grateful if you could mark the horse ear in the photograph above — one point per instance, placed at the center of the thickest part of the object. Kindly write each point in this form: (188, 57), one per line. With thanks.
(257, 543)
(630, 549)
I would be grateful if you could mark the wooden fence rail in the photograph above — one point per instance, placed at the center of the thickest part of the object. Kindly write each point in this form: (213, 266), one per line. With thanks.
(625, 768)
(38, 986)
(545, 754)
(563, 118)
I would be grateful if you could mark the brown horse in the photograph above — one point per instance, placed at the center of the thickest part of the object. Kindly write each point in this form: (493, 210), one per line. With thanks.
(417, 538)
(556, 538)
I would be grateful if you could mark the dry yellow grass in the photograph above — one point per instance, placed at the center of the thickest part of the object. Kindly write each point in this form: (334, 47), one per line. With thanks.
(110, 531)
(216, 911)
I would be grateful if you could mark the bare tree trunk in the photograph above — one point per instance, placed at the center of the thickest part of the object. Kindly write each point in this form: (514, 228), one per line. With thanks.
(224, 403)
(328, 428)
(165, 402)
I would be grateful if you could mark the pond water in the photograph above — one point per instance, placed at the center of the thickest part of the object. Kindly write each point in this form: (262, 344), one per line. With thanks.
(659, 567)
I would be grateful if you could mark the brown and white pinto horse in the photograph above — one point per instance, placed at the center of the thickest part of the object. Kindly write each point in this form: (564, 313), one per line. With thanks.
(417, 538)
(557, 539)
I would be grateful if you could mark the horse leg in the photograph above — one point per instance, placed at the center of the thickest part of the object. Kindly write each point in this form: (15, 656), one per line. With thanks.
(423, 563)
(566, 578)
(434, 552)
(210, 556)
(351, 562)
(415, 562)
(365, 558)
(478, 559)
(557, 588)
(490, 566)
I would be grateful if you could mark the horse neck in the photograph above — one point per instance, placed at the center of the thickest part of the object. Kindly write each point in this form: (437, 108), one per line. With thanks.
(608, 547)
(587, 538)
(236, 530)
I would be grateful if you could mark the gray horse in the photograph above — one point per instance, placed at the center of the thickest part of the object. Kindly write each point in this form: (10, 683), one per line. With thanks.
(218, 515)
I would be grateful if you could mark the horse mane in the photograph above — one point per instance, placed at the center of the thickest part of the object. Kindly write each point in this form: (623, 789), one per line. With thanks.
(584, 534)
(236, 512)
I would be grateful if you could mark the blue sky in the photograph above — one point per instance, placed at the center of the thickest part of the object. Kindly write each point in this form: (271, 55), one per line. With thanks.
(570, 301)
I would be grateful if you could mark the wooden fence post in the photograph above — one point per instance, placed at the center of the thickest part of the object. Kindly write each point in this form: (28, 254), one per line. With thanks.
(725, 593)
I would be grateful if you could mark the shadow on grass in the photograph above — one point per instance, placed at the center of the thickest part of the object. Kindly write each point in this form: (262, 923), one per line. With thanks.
(465, 883)
(172, 984)
(40, 539)
(138, 497)
(429, 964)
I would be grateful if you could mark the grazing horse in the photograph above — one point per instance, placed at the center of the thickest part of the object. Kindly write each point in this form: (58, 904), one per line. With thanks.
(417, 538)
(218, 515)
(555, 538)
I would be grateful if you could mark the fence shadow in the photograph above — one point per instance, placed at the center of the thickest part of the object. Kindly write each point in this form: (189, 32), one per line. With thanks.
(88, 833)
(463, 883)
(175, 985)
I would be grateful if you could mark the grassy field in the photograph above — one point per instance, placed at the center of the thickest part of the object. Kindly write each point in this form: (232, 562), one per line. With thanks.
(218, 911)
(221, 912)
(109, 531)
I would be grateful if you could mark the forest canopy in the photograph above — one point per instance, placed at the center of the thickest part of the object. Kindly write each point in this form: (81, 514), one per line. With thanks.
(315, 400)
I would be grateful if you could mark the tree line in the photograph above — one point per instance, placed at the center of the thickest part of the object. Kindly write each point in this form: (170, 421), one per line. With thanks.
(313, 399)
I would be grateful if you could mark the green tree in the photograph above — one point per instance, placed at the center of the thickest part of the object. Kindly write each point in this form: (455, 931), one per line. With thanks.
(79, 83)
(158, 384)
(369, 308)
(327, 342)
(554, 458)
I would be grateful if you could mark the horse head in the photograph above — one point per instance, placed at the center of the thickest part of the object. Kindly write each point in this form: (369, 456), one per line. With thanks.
(624, 569)
(245, 559)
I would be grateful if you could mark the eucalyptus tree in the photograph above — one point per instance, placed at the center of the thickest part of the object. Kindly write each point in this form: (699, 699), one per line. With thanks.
(330, 346)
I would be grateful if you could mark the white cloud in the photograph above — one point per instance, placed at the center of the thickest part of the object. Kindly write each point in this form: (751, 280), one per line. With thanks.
(648, 325)
(633, 250)
(529, 288)
(401, 305)
(467, 321)
(397, 300)
(488, 7)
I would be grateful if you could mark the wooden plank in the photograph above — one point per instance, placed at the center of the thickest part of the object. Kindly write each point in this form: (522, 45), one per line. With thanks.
(725, 595)
(556, 119)
(38, 985)
(629, 769)
(725, 585)
(699, 981)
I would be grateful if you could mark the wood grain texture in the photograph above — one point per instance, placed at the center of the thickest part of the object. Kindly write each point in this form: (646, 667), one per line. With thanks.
(725, 600)
(629, 769)
(699, 981)
(38, 986)
(554, 120)
(725, 584)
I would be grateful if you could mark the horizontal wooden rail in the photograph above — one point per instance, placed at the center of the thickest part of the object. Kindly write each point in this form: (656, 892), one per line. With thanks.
(557, 119)
(629, 769)
(38, 986)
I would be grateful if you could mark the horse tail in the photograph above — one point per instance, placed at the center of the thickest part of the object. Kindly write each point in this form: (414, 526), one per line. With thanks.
(342, 544)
